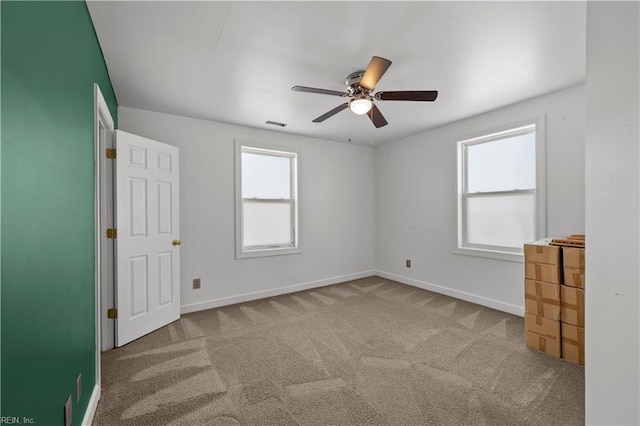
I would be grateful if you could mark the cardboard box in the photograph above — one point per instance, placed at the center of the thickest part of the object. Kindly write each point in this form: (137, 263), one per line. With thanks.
(573, 343)
(543, 262)
(573, 261)
(542, 334)
(572, 305)
(542, 299)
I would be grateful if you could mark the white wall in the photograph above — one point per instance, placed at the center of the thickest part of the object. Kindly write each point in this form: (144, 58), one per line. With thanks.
(337, 211)
(416, 202)
(612, 326)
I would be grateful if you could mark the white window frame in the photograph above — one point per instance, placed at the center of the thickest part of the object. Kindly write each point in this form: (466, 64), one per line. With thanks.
(540, 210)
(264, 148)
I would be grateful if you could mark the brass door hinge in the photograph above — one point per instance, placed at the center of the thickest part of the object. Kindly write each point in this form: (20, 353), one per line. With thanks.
(112, 233)
(112, 313)
(111, 153)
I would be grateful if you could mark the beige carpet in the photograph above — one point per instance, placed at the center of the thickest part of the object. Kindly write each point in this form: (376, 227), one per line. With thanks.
(369, 351)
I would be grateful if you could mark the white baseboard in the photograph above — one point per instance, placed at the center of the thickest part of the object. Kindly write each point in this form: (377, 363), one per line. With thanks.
(230, 300)
(458, 294)
(91, 407)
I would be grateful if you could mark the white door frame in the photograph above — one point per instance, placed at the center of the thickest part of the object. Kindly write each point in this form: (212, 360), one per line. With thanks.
(102, 120)
(107, 246)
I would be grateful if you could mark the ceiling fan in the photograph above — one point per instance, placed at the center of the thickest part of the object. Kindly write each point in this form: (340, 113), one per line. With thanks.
(360, 84)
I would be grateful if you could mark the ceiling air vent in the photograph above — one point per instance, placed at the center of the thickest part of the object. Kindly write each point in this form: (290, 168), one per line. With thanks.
(275, 123)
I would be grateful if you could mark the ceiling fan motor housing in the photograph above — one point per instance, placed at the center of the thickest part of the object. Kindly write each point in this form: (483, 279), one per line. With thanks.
(353, 82)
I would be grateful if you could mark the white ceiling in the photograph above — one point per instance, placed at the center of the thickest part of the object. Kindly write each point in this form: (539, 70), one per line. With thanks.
(235, 62)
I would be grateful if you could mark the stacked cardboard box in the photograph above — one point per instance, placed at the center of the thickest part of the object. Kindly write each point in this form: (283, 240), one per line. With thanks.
(573, 261)
(543, 276)
(572, 305)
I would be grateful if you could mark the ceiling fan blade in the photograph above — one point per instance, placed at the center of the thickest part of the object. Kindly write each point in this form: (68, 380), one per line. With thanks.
(318, 91)
(331, 113)
(376, 117)
(408, 95)
(375, 70)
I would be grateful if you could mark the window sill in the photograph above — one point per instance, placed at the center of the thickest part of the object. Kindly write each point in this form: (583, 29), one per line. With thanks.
(490, 254)
(268, 252)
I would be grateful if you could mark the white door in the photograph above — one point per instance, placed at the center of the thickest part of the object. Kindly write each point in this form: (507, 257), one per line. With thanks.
(147, 242)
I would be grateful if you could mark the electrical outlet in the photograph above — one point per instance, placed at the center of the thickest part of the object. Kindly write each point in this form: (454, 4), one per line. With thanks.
(196, 283)
(67, 412)
(408, 263)
(79, 387)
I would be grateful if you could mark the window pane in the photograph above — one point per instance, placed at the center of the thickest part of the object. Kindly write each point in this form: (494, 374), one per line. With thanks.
(505, 221)
(502, 165)
(266, 223)
(266, 176)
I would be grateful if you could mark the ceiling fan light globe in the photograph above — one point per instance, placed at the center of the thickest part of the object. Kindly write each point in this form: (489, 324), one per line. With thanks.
(360, 106)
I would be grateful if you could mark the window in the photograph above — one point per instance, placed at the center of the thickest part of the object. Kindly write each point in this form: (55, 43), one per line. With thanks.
(500, 204)
(266, 201)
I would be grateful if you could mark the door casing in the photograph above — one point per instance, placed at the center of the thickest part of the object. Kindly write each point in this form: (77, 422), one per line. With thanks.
(103, 132)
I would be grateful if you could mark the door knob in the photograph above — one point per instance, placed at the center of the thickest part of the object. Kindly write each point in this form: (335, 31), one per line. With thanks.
(176, 242)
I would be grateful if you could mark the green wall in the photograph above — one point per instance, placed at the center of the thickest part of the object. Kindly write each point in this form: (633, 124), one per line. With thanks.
(50, 60)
